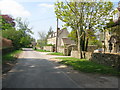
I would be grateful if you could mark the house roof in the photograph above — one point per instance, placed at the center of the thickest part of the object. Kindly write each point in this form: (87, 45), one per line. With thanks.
(68, 41)
(59, 32)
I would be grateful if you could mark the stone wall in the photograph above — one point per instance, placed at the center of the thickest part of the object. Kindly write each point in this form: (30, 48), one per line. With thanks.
(74, 54)
(106, 59)
(91, 48)
(62, 50)
(6, 43)
(48, 48)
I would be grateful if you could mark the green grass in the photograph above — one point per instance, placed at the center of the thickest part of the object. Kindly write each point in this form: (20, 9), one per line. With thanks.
(41, 50)
(88, 66)
(10, 56)
(56, 53)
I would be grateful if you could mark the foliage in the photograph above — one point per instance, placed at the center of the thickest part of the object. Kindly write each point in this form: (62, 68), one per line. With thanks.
(95, 42)
(56, 53)
(88, 66)
(73, 35)
(20, 36)
(42, 41)
(7, 22)
(43, 38)
(23, 26)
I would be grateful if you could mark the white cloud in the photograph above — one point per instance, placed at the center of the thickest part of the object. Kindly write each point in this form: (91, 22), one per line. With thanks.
(13, 8)
(45, 5)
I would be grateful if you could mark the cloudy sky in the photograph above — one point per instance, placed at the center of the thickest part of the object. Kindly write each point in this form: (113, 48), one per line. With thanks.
(39, 13)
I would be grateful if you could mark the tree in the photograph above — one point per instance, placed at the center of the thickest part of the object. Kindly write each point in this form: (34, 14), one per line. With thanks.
(6, 22)
(43, 39)
(83, 17)
(50, 32)
(23, 26)
(20, 36)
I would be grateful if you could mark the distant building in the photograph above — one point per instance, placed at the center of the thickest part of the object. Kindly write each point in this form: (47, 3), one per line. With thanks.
(63, 38)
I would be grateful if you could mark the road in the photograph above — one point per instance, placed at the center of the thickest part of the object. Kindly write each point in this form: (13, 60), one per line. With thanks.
(33, 70)
(37, 70)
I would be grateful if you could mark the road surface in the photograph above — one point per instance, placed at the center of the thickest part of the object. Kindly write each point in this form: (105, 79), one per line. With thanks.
(33, 70)
(36, 70)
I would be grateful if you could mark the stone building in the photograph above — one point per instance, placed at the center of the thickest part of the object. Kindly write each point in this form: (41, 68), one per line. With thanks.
(112, 35)
(63, 38)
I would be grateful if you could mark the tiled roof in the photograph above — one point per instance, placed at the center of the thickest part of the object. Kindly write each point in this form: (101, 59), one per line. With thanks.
(53, 34)
(68, 41)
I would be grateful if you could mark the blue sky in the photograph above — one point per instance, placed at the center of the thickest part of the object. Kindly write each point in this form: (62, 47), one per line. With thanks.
(39, 13)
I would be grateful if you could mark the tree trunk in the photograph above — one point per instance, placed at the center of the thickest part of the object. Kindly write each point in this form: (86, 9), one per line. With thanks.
(79, 40)
(86, 46)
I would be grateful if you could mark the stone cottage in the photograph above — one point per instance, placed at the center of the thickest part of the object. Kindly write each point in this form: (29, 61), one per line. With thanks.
(63, 40)
(112, 40)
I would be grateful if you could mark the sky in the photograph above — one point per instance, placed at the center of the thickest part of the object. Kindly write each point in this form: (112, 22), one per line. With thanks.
(39, 13)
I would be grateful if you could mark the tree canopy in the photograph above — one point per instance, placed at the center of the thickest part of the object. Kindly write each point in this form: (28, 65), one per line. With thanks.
(84, 17)
(20, 34)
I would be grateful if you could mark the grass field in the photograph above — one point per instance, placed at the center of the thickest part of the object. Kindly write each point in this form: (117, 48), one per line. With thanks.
(88, 66)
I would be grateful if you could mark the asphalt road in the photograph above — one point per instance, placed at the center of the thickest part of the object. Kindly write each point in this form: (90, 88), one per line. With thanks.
(34, 70)
(37, 70)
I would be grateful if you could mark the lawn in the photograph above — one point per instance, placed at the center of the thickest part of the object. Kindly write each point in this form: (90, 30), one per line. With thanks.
(10, 56)
(56, 53)
(41, 50)
(88, 66)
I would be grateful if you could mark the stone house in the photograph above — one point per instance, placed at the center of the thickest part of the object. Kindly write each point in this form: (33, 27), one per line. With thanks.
(112, 36)
(63, 39)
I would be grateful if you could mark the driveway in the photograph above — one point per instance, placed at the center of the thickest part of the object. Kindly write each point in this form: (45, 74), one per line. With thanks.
(37, 70)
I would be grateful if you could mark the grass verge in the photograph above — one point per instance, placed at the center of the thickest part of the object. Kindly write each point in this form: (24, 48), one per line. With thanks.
(56, 53)
(11, 56)
(9, 60)
(88, 66)
(41, 50)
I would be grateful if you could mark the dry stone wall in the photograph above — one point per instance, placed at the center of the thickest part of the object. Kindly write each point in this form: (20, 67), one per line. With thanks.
(112, 60)
(48, 48)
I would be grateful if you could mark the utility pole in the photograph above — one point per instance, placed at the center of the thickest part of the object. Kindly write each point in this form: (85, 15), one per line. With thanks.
(56, 37)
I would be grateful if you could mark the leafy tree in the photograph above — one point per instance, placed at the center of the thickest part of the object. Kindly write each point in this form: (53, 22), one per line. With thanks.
(13, 35)
(20, 36)
(50, 32)
(23, 26)
(6, 22)
(83, 17)
(43, 39)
